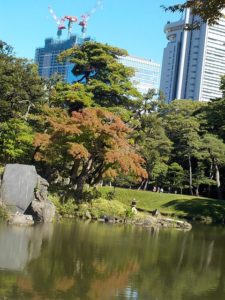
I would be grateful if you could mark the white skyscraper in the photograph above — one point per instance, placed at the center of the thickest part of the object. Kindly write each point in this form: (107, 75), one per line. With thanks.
(193, 61)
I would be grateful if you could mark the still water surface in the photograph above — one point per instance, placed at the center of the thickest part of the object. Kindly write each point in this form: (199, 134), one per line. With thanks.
(81, 261)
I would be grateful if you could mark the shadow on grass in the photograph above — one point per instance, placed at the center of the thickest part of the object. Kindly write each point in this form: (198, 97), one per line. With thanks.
(200, 209)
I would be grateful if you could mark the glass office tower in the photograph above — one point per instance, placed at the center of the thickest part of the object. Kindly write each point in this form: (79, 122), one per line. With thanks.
(147, 72)
(46, 57)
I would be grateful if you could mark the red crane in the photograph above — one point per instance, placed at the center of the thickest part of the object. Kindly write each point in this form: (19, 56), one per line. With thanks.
(59, 22)
(84, 22)
(71, 20)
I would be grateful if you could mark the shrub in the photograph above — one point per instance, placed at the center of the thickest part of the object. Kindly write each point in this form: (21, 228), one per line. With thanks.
(1, 170)
(67, 208)
(90, 194)
(129, 213)
(3, 212)
(103, 207)
(82, 209)
(111, 195)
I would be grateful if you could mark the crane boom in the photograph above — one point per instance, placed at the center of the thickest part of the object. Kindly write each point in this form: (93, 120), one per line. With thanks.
(59, 22)
(85, 17)
(54, 15)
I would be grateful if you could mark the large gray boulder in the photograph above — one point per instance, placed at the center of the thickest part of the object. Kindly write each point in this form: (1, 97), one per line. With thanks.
(44, 211)
(24, 191)
(41, 208)
(17, 188)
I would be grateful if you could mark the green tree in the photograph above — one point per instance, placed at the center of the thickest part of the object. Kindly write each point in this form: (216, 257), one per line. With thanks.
(154, 145)
(183, 129)
(16, 141)
(151, 102)
(148, 102)
(20, 85)
(216, 150)
(97, 66)
(214, 114)
(200, 177)
(73, 96)
(5, 49)
(209, 10)
(176, 176)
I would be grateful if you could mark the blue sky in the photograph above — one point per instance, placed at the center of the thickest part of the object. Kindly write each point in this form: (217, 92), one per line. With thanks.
(135, 25)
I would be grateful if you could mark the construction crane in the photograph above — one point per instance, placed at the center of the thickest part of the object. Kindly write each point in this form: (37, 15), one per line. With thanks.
(83, 24)
(85, 17)
(71, 20)
(59, 22)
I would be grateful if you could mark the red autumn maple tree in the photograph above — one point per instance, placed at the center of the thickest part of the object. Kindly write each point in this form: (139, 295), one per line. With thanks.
(90, 144)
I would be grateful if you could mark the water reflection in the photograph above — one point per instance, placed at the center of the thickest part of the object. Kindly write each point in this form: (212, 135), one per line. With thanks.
(19, 245)
(75, 260)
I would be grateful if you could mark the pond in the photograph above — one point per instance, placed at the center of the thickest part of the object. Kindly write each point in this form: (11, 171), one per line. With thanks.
(93, 261)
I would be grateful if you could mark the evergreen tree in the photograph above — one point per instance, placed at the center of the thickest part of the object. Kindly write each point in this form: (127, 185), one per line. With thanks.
(216, 151)
(183, 128)
(97, 66)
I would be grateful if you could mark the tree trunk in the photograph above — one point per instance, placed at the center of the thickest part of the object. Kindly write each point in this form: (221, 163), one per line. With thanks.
(190, 175)
(197, 190)
(219, 193)
(96, 176)
(140, 186)
(81, 180)
(146, 185)
(74, 170)
(211, 177)
(80, 187)
(33, 156)
(27, 112)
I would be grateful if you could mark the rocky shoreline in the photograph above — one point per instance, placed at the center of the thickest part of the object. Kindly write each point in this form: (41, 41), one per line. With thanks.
(150, 221)
(24, 195)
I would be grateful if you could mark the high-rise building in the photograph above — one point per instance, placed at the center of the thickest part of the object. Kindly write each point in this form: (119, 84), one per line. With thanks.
(193, 61)
(147, 73)
(46, 57)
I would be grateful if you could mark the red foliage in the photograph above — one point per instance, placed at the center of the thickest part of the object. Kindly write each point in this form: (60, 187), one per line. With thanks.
(96, 136)
(78, 151)
(41, 139)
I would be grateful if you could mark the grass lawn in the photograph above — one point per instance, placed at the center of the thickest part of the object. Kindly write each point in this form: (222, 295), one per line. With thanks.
(172, 204)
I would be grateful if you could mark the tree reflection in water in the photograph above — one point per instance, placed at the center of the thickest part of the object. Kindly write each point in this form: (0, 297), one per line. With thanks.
(101, 262)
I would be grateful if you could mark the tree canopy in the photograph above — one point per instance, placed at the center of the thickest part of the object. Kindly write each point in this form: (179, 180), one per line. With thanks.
(105, 77)
(88, 145)
(20, 85)
(208, 10)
